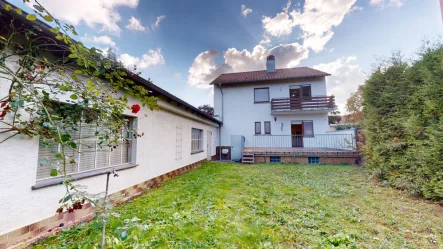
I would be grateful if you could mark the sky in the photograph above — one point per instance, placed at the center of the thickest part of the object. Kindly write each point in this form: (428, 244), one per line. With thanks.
(183, 45)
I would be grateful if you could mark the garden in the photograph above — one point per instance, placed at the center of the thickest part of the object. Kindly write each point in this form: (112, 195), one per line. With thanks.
(229, 205)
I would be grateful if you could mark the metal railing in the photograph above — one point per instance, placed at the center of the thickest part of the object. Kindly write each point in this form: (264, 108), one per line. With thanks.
(317, 142)
(314, 102)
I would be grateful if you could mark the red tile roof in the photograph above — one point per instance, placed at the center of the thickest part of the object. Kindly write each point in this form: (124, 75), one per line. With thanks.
(263, 75)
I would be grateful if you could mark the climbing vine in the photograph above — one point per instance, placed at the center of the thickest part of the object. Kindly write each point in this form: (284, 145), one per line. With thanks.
(52, 83)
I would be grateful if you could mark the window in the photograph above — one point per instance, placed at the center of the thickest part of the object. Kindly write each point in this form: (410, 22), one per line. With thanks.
(90, 155)
(257, 128)
(196, 141)
(267, 127)
(313, 160)
(308, 128)
(261, 95)
(306, 91)
(178, 142)
(300, 90)
(274, 159)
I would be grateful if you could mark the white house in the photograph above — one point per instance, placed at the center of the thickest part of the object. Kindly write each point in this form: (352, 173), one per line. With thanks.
(274, 109)
(178, 137)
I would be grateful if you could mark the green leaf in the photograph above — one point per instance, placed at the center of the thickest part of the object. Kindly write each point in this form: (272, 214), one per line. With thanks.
(65, 137)
(7, 7)
(59, 37)
(38, 8)
(19, 11)
(21, 103)
(53, 172)
(78, 71)
(91, 88)
(55, 30)
(47, 125)
(73, 145)
(74, 96)
(124, 235)
(31, 17)
(43, 161)
(67, 198)
(74, 77)
(48, 18)
(58, 156)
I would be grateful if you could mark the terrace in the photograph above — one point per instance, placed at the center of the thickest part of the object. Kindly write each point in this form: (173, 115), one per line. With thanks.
(301, 146)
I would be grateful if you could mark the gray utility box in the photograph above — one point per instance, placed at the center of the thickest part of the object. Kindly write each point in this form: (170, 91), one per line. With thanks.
(237, 147)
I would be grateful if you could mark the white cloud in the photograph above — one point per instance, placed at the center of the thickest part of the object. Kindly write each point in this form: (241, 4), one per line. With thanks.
(266, 40)
(391, 3)
(135, 25)
(395, 3)
(287, 55)
(204, 69)
(157, 22)
(102, 13)
(345, 78)
(104, 39)
(355, 8)
(316, 21)
(152, 57)
(245, 11)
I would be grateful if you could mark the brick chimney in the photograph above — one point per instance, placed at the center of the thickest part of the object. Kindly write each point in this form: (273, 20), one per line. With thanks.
(270, 64)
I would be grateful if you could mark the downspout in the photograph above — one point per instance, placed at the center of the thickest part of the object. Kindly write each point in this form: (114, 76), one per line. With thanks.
(219, 130)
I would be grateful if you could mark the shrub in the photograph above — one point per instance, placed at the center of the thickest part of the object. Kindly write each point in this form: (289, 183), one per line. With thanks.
(403, 125)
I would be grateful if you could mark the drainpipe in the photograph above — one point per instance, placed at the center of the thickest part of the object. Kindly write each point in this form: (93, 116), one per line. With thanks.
(219, 129)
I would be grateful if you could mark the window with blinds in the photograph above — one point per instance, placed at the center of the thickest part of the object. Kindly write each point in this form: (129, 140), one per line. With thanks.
(196, 140)
(90, 154)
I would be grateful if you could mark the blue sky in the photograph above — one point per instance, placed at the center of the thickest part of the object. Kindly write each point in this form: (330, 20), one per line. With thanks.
(182, 45)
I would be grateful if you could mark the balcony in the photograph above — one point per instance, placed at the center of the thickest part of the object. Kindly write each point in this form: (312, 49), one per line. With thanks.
(313, 104)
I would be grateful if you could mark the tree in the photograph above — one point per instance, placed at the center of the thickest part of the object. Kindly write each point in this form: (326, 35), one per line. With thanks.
(334, 119)
(354, 106)
(55, 83)
(207, 109)
(403, 122)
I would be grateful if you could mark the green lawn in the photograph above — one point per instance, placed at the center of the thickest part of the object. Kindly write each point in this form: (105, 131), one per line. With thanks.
(227, 205)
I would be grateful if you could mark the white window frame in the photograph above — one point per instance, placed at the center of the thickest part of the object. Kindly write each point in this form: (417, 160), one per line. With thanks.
(91, 171)
(196, 140)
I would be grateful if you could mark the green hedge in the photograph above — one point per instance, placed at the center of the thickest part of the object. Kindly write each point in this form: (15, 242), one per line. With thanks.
(403, 125)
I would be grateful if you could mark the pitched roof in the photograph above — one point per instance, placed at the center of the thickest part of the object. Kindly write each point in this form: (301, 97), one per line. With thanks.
(156, 90)
(263, 75)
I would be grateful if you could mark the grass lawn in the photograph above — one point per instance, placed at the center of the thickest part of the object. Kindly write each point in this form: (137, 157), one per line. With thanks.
(227, 205)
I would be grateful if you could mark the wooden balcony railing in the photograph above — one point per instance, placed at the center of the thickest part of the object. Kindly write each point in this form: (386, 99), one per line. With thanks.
(305, 103)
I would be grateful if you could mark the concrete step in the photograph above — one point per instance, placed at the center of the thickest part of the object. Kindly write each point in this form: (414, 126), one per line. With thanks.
(248, 158)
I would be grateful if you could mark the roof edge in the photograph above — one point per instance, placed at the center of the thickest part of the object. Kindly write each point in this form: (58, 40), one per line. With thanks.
(250, 81)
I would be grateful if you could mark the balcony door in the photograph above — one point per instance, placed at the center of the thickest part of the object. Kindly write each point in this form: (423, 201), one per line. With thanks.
(297, 94)
(297, 131)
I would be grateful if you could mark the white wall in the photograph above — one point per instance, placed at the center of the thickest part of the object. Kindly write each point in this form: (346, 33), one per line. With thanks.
(155, 154)
(240, 112)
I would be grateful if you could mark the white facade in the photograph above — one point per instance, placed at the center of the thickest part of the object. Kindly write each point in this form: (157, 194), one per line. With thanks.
(155, 154)
(239, 112)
